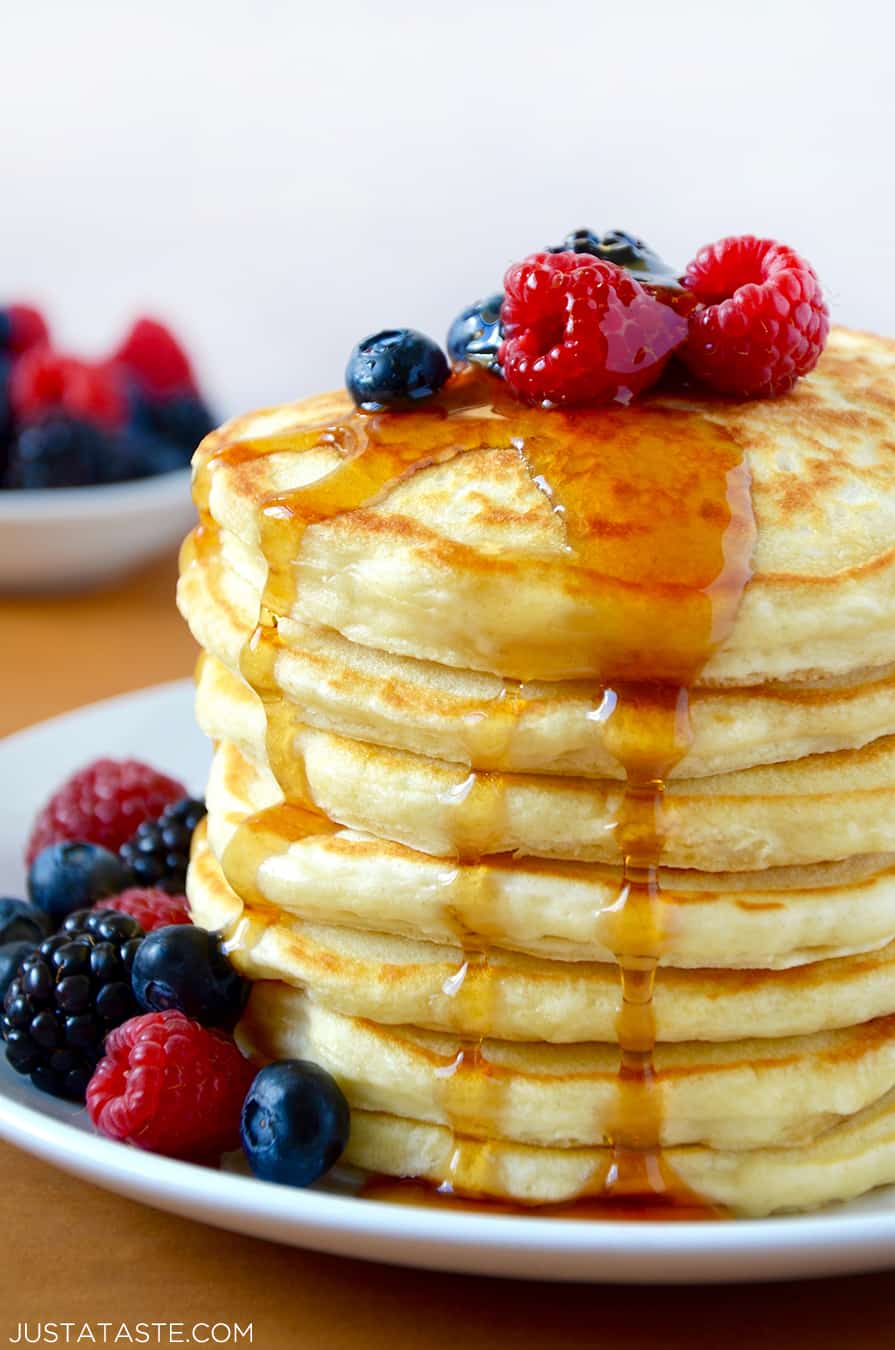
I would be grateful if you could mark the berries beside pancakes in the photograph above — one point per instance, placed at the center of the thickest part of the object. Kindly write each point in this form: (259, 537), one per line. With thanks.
(171, 1086)
(103, 803)
(64, 998)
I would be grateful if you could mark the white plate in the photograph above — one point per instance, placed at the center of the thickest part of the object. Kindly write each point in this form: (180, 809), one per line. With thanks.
(64, 539)
(157, 724)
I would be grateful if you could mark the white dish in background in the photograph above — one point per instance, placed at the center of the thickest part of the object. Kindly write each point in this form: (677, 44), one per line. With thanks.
(157, 725)
(67, 539)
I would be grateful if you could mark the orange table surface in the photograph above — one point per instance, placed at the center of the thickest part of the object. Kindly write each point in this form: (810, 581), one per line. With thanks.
(70, 1252)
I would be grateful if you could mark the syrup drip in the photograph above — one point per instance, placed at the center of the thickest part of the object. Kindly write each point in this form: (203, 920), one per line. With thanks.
(657, 518)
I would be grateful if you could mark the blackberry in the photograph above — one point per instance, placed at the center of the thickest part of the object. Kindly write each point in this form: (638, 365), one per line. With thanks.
(183, 420)
(140, 455)
(58, 451)
(625, 250)
(159, 852)
(66, 995)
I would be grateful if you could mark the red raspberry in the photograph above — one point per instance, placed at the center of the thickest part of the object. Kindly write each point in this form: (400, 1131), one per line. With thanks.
(27, 328)
(171, 1086)
(765, 322)
(42, 381)
(154, 357)
(151, 907)
(578, 329)
(103, 804)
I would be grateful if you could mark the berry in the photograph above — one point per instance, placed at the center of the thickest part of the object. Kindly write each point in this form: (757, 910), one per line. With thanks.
(6, 424)
(21, 327)
(103, 804)
(295, 1123)
(70, 876)
(764, 322)
(394, 369)
(625, 250)
(57, 451)
(151, 908)
(65, 996)
(44, 382)
(185, 968)
(168, 1085)
(183, 420)
(11, 956)
(142, 455)
(580, 330)
(154, 358)
(475, 333)
(158, 853)
(20, 922)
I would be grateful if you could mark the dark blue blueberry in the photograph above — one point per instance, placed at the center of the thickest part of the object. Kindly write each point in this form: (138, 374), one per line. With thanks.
(185, 967)
(394, 369)
(11, 954)
(475, 333)
(5, 328)
(58, 451)
(295, 1122)
(67, 876)
(21, 922)
(625, 250)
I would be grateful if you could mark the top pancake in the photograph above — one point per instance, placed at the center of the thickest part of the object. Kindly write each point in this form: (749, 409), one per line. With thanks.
(404, 573)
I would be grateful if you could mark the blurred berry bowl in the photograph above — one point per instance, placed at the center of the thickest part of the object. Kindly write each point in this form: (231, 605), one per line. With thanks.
(94, 454)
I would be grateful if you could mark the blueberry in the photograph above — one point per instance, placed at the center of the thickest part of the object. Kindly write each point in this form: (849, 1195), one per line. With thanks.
(185, 967)
(142, 455)
(6, 424)
(395, 368)
(71, 876)
(21, 922)
(475, 333)
(295, 1122)
(625, 250)
(182, 420)
(58, 451)
(161, 435)
(11, 954)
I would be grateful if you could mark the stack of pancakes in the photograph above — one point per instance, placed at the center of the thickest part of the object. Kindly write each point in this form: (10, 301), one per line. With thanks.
(486, 735)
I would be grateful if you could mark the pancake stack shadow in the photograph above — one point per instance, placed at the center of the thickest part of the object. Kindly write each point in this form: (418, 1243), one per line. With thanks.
(413, 849)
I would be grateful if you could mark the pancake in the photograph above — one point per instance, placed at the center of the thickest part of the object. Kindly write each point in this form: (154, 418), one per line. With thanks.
(819, 809)
(742, 1094)
(840, 1164)
(564, 911)
(466, 562)
(485, 722)
(511, 996)
(512, 707)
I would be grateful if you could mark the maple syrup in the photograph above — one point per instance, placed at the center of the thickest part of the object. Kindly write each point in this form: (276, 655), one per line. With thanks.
(680, 1205)
(657, 519)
